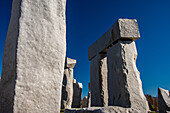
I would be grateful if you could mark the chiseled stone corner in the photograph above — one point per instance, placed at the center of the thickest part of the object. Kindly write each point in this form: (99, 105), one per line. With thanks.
(126, 29)
(163, 100)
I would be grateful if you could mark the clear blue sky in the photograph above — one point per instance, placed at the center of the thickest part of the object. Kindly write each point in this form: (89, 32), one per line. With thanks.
(87, 20)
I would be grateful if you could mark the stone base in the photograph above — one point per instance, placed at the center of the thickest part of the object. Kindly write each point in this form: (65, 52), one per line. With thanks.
(109, 109)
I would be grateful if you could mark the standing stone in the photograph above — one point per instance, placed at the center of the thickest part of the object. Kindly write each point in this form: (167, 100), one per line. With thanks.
(98, 80)
(77, 91)
(89, 96)
(34, 56)
(67, 87)
(125, 86)
(84, 104)
(164, 100)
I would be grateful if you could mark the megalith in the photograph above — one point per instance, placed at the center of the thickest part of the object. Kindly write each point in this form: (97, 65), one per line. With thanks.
(98, 80)
(163, 100)
(77, 92)
(123, 78)
(67, 86)
(89, 96)
(34, 56)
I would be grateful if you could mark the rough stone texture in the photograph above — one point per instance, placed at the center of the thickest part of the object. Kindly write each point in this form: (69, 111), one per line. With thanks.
(109, 109)
(84, 104)
(67, 89)
(70, 63)
(164, 100)
(77, 92)
(125, 86)
(34, 56)
(123, 29)
(98, 80)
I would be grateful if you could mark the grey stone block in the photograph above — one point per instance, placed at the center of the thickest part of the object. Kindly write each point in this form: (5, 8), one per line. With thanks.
(98, 80)
(125, 86)
(163, 100)
(67, 89)
(123, 29)
(70, 63)
(77, 92)
(34, 56)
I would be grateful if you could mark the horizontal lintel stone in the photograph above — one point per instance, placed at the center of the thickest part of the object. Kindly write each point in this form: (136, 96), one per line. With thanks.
(123, 29)
(70, 63)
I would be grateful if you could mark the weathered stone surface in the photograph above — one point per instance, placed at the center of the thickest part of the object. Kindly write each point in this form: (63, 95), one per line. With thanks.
(123, 29)
(77, 92)
(84, 104)
(98, 80)
(109, 109)
(125, 86)
(67, 89)
(70, 62)
(164, 100)
(34, 56)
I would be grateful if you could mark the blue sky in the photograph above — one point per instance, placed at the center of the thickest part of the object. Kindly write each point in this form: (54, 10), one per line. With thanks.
(88, 20)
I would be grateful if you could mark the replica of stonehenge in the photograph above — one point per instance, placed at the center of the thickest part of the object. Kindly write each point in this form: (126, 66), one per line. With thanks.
(37, 76)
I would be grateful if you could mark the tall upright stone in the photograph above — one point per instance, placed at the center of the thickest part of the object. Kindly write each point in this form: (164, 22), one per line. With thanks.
(77, 92)
(34, 56)
(67, 86)
(89, 96)
(163, 100)
(125, 86)
(98, 80)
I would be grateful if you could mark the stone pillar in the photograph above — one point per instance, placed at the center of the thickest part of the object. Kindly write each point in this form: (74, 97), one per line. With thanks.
(125, 86)
(98, 80)
(77, 92)
(89, 96)
(34, 56)
(67, 87)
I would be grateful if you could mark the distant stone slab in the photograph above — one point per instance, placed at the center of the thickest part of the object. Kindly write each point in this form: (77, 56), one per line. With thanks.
(77, 92)
(67, 89)
(70, 63)
(164, 100)
(123, 29)
(34, 56)
(109, 109)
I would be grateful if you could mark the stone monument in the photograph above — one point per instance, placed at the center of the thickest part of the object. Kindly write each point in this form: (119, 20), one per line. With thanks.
(34, 56)
(124, 85)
